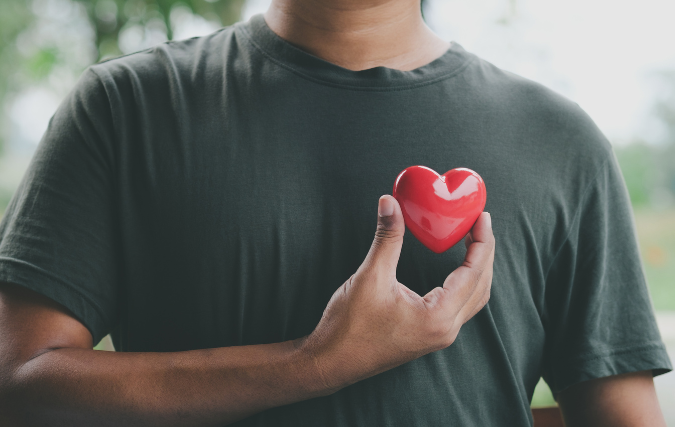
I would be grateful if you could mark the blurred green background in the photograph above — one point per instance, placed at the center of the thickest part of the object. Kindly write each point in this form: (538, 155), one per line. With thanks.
(46, 44)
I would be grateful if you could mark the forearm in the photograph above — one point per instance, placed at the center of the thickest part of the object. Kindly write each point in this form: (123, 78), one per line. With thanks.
(199, 387)
(371, 323)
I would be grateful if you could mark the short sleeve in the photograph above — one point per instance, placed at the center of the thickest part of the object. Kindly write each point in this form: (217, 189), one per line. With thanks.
(58, 234)
(599, 319)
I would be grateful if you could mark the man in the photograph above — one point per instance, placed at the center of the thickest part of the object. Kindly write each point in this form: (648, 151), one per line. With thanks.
(210, 203)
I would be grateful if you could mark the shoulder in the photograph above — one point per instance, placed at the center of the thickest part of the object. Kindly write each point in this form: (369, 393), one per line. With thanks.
(537, 122)
(169, 63)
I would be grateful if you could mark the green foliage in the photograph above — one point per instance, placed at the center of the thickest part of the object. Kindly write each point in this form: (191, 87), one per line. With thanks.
(5, 197)
(42, 62)
(649, 169)
(637, 163)
(542, 395)
(656, 235)
(664, 112)
(15, 15)
(28, 58)
(110, 17)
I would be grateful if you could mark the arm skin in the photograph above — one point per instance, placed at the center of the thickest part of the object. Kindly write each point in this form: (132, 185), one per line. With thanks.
(49, 374)
(47, 360)
(626, 400)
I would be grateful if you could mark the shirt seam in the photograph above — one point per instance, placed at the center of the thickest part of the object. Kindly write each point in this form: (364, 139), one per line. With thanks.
(148, 49)
(450, 74)
(107, 95)
(648, 347)
(616, 352)
(114, 123)
(56, 278)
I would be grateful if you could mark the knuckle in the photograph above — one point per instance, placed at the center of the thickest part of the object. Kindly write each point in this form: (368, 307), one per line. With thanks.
(435, 299)
(383, 234)
(386, 222)
(346, 287)
(476, 270)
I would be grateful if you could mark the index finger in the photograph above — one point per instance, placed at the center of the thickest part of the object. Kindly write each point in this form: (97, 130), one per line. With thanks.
(478, 255)
(462, 284)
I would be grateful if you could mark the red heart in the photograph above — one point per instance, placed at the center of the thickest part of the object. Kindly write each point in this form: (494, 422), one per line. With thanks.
(440, 209)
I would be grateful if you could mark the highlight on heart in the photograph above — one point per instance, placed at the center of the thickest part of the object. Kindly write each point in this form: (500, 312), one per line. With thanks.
(439, 210)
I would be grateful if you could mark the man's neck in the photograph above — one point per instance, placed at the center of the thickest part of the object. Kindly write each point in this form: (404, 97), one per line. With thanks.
(358, 34)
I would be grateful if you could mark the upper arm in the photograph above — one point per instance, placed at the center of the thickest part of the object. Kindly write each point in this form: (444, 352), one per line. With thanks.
(59, 235)
(32, 324)
(598, 317)
(626, 400)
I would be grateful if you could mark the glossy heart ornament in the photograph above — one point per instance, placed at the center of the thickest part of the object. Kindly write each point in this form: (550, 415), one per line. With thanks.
(440, 209)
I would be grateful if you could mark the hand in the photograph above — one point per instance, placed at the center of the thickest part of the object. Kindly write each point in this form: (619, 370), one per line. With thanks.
(374, 323)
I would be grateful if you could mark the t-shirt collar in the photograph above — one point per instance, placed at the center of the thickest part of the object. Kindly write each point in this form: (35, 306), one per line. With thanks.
(309, 66)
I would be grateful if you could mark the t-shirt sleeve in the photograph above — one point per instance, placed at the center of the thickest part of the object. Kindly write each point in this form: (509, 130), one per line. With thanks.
(599, 318)
(58, 235)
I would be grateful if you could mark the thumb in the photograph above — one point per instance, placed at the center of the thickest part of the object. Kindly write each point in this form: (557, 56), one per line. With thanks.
(386, 247)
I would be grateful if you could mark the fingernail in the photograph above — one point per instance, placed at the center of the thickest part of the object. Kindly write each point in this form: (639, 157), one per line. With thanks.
(489, 220)
(385, 207)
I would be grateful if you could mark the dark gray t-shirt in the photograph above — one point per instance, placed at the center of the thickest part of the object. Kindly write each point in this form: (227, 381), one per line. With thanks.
(216, 192)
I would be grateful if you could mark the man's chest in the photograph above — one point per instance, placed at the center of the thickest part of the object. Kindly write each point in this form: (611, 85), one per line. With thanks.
(242, 230)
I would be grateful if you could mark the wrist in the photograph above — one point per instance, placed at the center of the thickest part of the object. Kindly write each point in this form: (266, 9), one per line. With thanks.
(319, 380)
